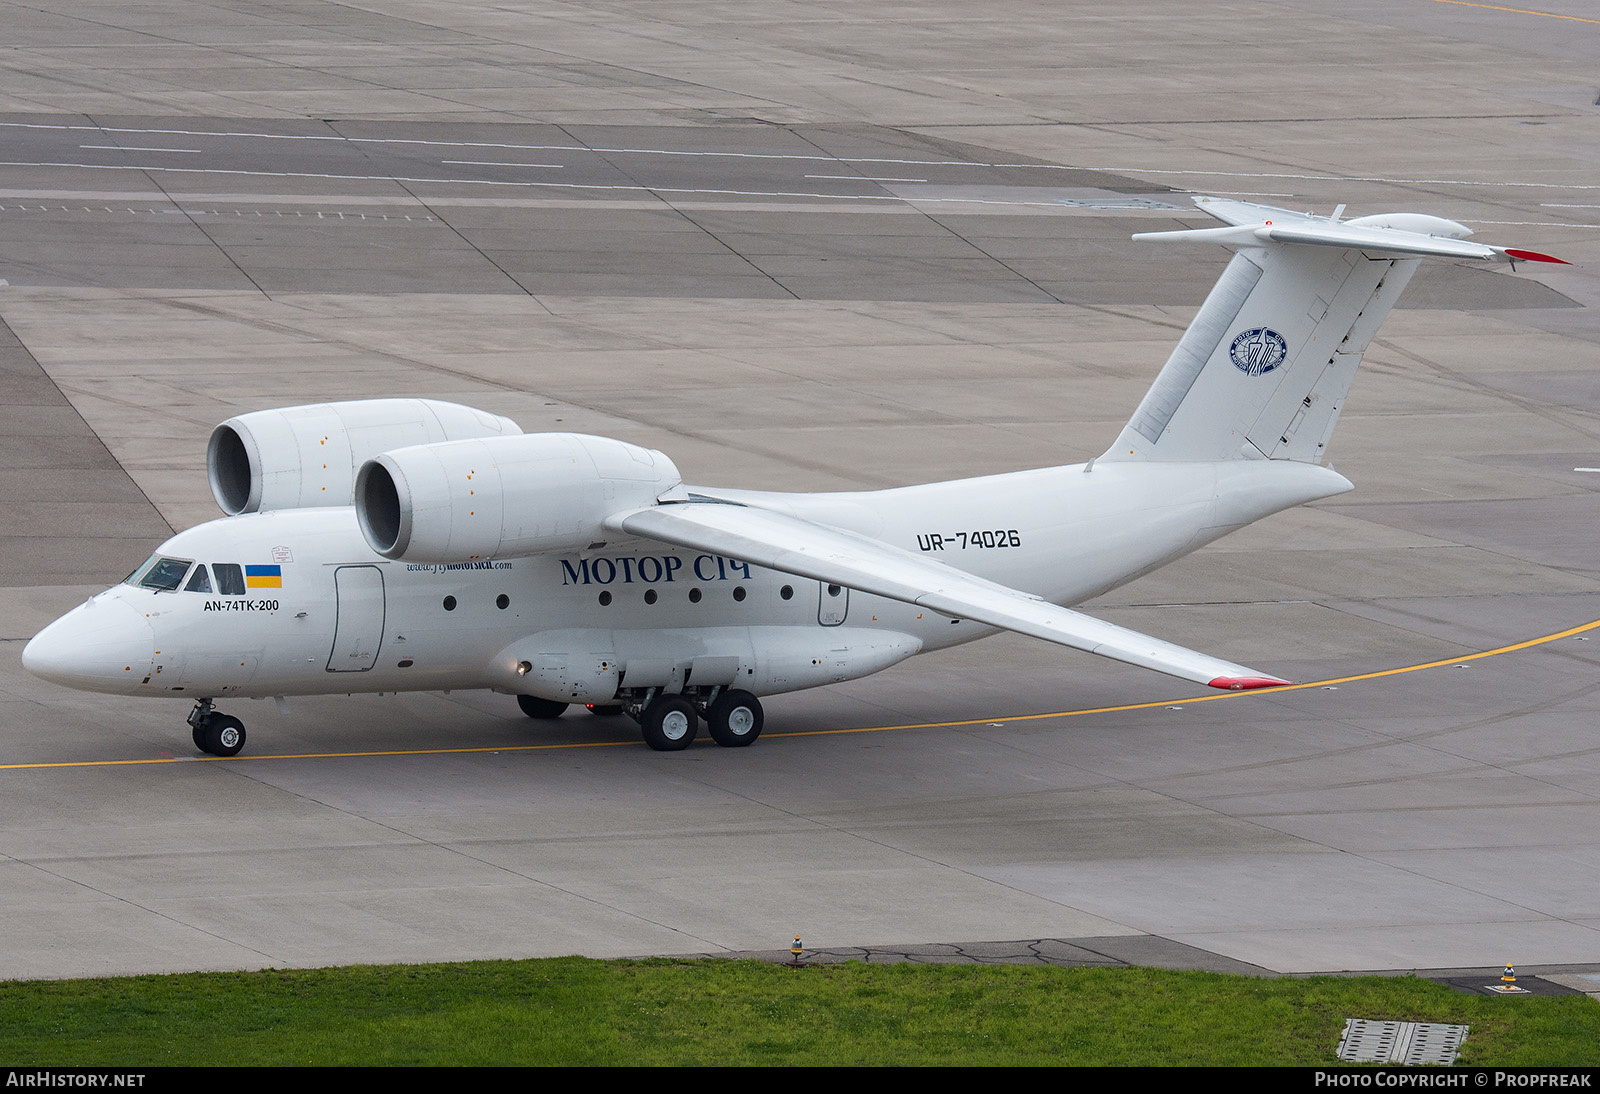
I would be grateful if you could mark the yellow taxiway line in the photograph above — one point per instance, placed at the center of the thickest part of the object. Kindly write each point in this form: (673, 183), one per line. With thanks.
(1517, 11)
(1004, 720)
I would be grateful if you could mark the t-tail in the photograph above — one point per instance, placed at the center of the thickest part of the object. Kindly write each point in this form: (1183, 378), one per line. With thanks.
(1265, 367)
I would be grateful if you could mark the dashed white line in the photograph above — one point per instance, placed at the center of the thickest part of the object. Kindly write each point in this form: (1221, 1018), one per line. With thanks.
(492, 163)
(130, 148)
(1317, 178)
(1531, 223)
(805, 157)
(610, 187)
(863, 178)
(322, 214)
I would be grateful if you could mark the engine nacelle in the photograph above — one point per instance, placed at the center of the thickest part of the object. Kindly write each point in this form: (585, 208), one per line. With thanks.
(303, 457)
(504, 497)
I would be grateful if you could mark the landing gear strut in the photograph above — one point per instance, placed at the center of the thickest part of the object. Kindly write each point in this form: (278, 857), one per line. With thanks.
(218, 734)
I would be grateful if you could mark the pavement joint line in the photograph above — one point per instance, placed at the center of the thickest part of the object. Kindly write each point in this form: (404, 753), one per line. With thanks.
(1000, 721)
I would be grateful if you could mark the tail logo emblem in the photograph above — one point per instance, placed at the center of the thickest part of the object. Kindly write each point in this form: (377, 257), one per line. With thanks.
(1258, 351)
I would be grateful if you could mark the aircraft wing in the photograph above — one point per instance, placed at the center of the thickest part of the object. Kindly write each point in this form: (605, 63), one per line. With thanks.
(807, 549)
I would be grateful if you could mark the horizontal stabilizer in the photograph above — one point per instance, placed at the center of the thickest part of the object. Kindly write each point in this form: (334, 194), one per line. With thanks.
(807, 549)
(1386, 234)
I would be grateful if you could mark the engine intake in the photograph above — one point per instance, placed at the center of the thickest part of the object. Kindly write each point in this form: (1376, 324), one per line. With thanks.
(302, 457)
(503, 497)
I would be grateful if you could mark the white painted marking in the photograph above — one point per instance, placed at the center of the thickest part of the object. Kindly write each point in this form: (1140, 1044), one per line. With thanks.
(1531, 223)
(498, 144)
(129, 148)
(1315, 178)
(616, 187)
(223, 212)
(1593, 470)
(812, 158)
(492, 163)
(863, 178)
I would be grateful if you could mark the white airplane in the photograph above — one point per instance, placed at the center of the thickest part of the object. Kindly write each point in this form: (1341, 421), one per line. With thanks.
(563, 568)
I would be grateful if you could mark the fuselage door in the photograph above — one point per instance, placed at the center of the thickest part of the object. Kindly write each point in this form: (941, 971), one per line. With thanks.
(833, 604)
(359, 630)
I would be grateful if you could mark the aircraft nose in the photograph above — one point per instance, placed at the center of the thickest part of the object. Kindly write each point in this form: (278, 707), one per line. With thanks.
(104, 645)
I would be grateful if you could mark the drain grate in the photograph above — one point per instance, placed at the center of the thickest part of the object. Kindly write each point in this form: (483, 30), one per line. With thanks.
(1368, 1040)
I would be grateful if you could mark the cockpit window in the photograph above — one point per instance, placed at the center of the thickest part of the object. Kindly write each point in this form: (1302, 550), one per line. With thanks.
(161, 574)
(199, 582)
(230, 578)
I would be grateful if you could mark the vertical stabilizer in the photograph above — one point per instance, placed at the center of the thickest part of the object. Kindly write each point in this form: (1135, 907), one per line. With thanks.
(1265, 367)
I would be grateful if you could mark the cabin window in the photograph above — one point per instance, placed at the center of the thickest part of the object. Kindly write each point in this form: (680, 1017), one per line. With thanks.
(161, 574)
(199, 581)
(230, 578)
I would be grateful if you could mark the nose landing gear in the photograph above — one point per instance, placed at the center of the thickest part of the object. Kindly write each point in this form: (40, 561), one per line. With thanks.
(218, 734)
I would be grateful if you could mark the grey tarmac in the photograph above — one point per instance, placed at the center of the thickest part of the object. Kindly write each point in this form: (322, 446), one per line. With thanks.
(816, 248)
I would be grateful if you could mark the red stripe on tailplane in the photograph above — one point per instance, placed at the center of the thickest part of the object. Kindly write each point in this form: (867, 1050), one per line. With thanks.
(1245, 683)
(1535, 256)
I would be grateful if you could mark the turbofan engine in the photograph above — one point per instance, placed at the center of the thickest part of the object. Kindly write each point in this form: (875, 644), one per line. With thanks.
(503, 497)
(302, 457)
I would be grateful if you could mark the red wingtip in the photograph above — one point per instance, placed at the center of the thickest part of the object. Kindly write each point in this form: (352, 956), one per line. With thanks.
(1535, 256)
(1244, 683)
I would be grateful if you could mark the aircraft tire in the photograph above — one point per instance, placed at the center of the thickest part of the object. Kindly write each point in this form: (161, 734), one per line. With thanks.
(602, 710)
(670, 723)
(199, 734)
(535, 707)
(224, 735)
(735, 719)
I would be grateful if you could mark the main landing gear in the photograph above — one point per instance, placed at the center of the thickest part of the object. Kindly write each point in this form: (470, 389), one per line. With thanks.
(218, 734)
(669, 722)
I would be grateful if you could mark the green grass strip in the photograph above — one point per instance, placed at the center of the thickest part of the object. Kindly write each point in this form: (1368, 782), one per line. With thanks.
(577, 1011)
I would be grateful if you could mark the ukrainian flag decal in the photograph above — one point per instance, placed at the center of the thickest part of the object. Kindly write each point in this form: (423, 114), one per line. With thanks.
(263, 577)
